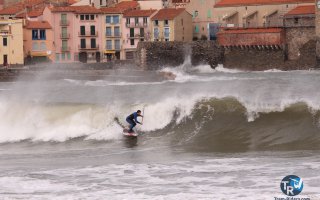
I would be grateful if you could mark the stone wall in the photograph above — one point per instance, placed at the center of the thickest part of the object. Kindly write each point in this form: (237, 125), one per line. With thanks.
(154, 55)
(296, 38)
(254, 58)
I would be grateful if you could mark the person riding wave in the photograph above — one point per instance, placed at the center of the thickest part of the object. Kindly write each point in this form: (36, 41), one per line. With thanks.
(132, 120)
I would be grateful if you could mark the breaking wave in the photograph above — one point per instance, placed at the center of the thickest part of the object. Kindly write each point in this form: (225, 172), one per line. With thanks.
(203, 123)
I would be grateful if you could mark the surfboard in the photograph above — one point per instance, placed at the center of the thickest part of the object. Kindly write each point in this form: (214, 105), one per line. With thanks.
(131, 134)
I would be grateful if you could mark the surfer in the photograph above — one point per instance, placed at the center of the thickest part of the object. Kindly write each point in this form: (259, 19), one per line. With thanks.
(132, 120)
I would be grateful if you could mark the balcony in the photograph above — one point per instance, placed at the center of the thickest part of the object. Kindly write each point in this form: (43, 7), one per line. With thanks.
(88, 34)
(115, 35)
(136, 36)
(64, 23)
(138, 25)
(4, 32)
(89, 47)
(65, 49)
(64, 36)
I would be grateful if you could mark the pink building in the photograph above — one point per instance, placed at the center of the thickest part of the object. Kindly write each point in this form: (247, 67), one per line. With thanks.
(37, 41)
(77, 33)
(136, 28)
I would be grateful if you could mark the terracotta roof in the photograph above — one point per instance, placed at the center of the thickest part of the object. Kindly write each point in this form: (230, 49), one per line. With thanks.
(21, 15)
(302, 10)
(234, 3)
(12, 10)
(250, 30)
(167, 13)
(139, 13)
(38, 25)
(1, 2)
(121, 7)
(76, 9)
(19, 7)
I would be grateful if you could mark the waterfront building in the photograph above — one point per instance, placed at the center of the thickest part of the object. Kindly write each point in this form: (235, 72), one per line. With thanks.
(170, 24)
(38, 42)
(136, 28)
(254, 14)
(11, 40)
(77, 33)
(113, 34)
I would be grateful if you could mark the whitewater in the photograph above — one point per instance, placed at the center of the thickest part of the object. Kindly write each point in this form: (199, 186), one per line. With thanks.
(207, 134)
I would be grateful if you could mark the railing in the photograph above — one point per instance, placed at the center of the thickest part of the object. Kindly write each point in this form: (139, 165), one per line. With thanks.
(135, 36)
(64, 23)
(88, 47)
(65, 49)
(88, 34)
(131, 25)
(64, 36)
(114, 34)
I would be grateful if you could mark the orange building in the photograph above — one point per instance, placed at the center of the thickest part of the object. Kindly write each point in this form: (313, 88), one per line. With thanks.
(38, 41)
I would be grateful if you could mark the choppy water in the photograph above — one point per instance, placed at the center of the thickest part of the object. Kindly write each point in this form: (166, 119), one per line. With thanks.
(209, 134)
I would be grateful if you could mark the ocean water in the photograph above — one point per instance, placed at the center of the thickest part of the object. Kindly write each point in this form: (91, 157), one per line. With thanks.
(208, 134)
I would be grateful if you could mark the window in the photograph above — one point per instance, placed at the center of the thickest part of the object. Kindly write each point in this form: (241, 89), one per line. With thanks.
(35, 46)
(156, 33)
(5, 41)
(35, 35)
(91, 17)
(116, 31)
(141, 32)
(196, 29)
(63, 56)
(43, 46)
(93, 43)
(69, 56)
(136, 21)
(145, 20)
(127, 20)
(166, 32)
(82, 30)
(92, 30)
(166, 22)
(87, 17)
(83, 43)
(108, 31)
(100, 2)
(64, 32)
(65, 45)
(81, 17)
(109, 44)
(108, 19)
(64, 19)
(132, 42)
(116, 19)
(209, 14)
(156, 22)
(131, 32)
(117, 44)
(296, 20)
(42, 34)
(195, 14)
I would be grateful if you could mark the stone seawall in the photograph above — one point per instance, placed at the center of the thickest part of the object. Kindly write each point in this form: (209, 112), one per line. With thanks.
(155, 55)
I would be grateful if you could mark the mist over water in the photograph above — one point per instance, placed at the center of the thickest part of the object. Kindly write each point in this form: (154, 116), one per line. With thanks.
(203, 130)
